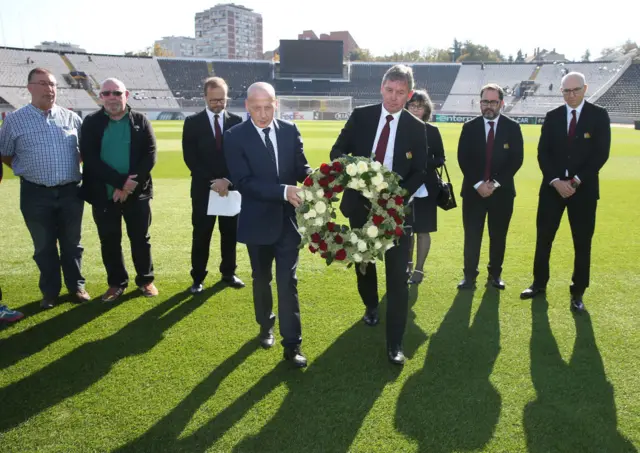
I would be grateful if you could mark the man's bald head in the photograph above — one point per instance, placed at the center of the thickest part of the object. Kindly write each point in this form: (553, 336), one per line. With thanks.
(114, 96)
(573, 88)
(261, 103)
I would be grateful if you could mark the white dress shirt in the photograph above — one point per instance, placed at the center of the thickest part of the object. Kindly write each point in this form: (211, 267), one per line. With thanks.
(393, 128)
(578, 110)
(211, 116)
(274, 141)
(487, 128)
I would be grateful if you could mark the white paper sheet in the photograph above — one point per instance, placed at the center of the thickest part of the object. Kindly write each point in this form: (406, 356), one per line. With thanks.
(225, 206)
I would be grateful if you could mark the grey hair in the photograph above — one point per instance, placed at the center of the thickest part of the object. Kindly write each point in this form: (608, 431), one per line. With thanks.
(261, 86)
(574, 74)
(118, 82)
(399, 73)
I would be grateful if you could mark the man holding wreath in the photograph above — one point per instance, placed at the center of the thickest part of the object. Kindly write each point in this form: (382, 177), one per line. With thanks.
(392, 136)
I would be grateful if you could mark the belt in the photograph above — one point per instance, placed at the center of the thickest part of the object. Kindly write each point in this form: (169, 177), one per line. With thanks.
(50, 187)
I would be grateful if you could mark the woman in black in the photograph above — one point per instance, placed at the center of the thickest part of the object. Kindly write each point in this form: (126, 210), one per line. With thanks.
(423, 217)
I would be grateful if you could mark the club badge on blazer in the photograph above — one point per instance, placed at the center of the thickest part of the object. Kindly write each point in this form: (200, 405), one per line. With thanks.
(409, 155)
(506, 146)
(587, 135)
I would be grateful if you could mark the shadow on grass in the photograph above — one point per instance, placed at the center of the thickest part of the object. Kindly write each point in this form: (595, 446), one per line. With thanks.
(86, 365)
(323, 410)
(28, 342)
(575, 408)
(450, 405)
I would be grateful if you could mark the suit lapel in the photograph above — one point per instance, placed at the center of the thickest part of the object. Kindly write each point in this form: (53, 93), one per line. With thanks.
(280, 148)
(400, 145)
(225, 121)
(372, 125)
(258, 146)
(206, 125)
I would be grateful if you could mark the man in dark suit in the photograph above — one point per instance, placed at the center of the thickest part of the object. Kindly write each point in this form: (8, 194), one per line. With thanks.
(574, 145)
(266, 161)
(398, 140)
(202, 147)
(490, 152)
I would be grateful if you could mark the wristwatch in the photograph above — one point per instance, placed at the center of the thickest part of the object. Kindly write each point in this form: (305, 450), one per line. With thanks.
(574, 183)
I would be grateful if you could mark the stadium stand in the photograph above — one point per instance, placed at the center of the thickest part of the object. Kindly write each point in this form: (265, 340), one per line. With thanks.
(15, 68)
(623, 98)
(239, 75)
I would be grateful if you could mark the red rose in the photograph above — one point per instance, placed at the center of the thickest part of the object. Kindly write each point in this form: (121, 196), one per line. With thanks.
(325, 169)
(392, 212)
(323, 246)
(339, 239)
(324, 182)
(397, 219)
(399, 200)
(398, 231)
(308, 181)
(331, 178)
(328, 194)
(377, 220)
(312, 249)
(338, 188)
(341, 255)
(382, 202)
(324, 255)
(315, 237)
(388, 233)
(337, 166)
(331, 226)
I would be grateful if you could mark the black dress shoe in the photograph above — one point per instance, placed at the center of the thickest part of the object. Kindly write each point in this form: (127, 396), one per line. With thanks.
(370, 317)
(496, 282)
(467, 283)
(196, 288)
(267, 340)
(531, 292)
(577, 306)
(233, 281)
(295, 356)
(396, 356)
(47, 303)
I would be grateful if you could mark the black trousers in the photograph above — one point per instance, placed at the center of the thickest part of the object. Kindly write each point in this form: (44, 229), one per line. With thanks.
(137, 218)
(497, 210)
(53, 216)
(396, 260)
(203, 226)
(581, 208)
(285, 254)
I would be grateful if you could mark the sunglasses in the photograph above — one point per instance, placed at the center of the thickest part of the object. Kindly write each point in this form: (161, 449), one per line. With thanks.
(109, 93)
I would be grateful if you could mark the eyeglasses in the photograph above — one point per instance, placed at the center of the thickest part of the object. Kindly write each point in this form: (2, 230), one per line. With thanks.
(42, 83)
(486, 103)
(218, 101)
(107, 93)
(415, 106)
(568, 91)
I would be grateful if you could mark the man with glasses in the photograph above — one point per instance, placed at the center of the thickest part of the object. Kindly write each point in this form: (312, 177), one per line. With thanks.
(574, 145)
(119, 150)
(490, 153)
(40, 143)
(203, 149)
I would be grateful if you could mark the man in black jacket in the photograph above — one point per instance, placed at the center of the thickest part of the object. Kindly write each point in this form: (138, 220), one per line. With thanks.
(202, 147)
(490, 152)
(118, 149)
(574, 145)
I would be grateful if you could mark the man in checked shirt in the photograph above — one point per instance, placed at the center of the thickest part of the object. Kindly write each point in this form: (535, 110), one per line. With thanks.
(40, 143)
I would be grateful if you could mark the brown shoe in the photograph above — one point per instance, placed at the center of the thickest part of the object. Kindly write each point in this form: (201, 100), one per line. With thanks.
(149, 290)
(112, 293)
(82, 295)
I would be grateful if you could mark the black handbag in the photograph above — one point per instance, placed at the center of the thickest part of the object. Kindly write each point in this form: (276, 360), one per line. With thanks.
(446, 198)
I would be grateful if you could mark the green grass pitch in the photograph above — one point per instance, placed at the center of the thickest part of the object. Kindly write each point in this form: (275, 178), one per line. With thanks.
(487, 371)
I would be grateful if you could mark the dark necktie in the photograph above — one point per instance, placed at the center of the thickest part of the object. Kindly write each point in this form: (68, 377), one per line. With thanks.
(489, 152)
(269, 144)
(216, 127)
(572, 126)
(381, 148)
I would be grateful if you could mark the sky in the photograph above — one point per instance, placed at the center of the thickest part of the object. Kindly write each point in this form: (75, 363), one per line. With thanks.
(117, 26)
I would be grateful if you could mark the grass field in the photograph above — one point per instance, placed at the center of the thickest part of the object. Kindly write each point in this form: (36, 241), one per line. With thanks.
(487, 371)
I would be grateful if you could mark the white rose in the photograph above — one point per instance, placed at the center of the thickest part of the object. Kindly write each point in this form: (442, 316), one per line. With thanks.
(383, 185)
(390, 245)
(377, 180)
(311, 214)
(362, 246)
(357, 257)
(353, 184)
(319, 222)
(367, 193)
(362, 167)
(354, 238)
(308, 195)
(320, 193)
(376, 166)
(377, 245)
(302, 230)
(352, 170)
(372, 231)
(362, 184)
(321, 208)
